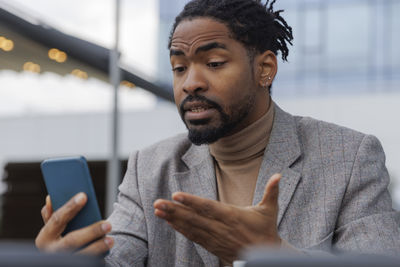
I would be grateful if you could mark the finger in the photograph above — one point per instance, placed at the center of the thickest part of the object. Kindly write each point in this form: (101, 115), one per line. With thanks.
(165, 208)
(99, 247)
(197, 235)
(185, 217)
(59, 219)
(43, 212)
(82, 237)
(49, 206)
(205, 207)
(271, 192)
(186, 221)
(47, 210)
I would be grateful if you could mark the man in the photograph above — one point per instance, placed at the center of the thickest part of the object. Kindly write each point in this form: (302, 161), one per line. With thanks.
(197, 200)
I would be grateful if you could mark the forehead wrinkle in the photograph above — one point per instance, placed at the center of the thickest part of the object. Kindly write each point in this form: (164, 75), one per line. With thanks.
(190, 45)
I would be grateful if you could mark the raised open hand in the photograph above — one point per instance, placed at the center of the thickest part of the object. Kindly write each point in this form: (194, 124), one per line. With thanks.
(220, 228)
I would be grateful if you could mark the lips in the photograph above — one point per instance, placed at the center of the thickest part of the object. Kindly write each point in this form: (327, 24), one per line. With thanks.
(196, 106)
(198, 111)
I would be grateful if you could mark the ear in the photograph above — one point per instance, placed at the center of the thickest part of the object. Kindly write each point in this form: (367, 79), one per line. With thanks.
(268, 66)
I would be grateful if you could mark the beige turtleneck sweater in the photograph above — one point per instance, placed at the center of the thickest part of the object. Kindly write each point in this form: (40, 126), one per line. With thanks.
(238, 159)
(237, 163)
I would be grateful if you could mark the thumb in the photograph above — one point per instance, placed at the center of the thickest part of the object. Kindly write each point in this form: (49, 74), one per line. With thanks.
(271, 192)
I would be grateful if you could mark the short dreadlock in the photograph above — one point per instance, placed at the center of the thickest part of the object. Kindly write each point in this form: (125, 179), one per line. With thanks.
(252, 23)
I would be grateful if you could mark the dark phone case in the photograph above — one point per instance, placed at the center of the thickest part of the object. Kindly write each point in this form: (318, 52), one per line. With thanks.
(64, 178)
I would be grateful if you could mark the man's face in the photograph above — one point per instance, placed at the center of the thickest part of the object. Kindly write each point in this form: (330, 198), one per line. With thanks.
(215, 87)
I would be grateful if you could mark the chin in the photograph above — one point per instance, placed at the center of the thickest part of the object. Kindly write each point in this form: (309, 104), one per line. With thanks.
(202, 137)
(207, 134)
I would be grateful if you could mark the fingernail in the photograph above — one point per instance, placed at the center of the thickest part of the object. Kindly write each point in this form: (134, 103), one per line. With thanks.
(178, 198)
(109, 242)
(160, 213)
(79, 199)
(106, 227)
(163, 207)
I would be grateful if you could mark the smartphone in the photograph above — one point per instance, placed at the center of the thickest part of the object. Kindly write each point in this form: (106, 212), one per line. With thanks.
(64, 178)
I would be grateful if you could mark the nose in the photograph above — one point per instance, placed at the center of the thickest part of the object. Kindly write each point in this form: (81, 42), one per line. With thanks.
(195, 81)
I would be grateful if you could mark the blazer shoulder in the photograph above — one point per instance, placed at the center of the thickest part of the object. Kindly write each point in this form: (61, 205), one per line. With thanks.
(312, 131)
(307, 125)
(166, 152)
(177, 142)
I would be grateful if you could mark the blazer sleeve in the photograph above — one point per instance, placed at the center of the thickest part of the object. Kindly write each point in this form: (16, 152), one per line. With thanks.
(366, 222)
(128, 222)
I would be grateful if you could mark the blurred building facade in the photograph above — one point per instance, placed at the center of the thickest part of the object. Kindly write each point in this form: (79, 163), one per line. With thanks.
(340, 46)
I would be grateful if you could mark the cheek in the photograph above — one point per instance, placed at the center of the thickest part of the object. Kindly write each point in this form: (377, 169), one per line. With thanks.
(178, 100)
(233, 86)
(178, 94)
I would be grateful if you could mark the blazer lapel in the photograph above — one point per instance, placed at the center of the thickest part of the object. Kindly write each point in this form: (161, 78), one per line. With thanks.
(282, 151)
(199, 180)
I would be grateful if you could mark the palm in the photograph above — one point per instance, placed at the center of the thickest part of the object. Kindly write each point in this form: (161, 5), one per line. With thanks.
(220, 228)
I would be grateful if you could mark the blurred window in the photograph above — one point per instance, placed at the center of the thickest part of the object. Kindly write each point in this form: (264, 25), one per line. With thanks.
(348, 34)
(311, 46)
(290, 68)
(395, 36)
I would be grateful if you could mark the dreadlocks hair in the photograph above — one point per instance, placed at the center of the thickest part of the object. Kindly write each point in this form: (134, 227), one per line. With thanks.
(252, 23)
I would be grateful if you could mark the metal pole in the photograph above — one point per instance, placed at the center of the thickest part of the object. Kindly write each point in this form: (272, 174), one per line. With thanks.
(114, 168)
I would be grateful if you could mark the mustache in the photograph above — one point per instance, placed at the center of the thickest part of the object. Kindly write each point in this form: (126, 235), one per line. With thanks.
(199, 98)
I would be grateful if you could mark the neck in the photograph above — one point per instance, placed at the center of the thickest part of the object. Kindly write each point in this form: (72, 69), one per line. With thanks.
(247, 143)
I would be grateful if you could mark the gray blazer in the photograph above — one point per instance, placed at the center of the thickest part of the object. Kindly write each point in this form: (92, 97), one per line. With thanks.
(333, 194)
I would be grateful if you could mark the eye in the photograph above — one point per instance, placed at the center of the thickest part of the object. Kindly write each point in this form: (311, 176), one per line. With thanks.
(179, 69)
(215, 64)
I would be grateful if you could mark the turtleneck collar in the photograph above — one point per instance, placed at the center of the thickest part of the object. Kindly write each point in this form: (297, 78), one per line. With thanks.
(246, 144)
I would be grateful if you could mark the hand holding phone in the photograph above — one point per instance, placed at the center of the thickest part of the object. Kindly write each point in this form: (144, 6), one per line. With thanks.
(72, 219)
(64, 178)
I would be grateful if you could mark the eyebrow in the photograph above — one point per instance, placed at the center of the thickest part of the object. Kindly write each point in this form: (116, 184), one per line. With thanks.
(204, 48)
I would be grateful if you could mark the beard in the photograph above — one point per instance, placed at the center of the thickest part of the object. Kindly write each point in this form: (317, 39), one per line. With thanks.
(209, 134)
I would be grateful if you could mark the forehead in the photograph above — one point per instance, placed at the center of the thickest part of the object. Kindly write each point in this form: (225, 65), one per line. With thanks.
(191, 32)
